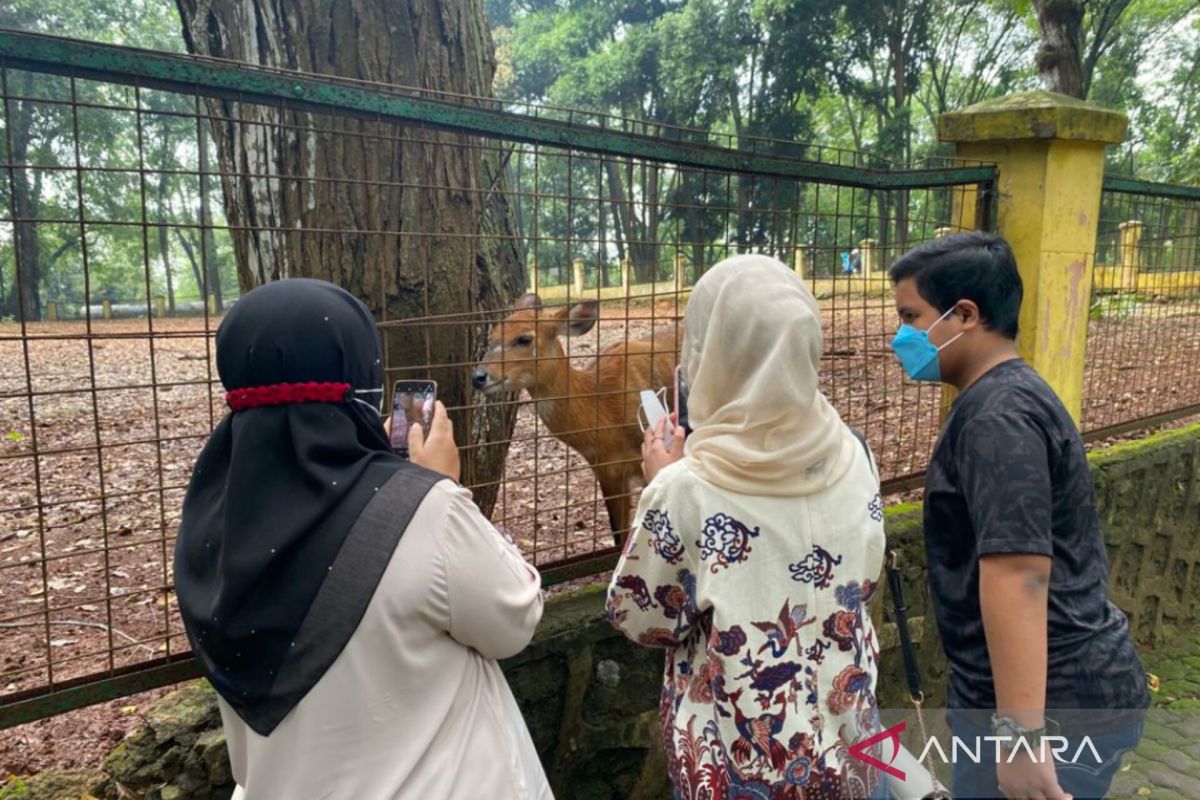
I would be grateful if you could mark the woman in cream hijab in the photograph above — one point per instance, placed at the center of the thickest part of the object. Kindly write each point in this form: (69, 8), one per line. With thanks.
(756, 546)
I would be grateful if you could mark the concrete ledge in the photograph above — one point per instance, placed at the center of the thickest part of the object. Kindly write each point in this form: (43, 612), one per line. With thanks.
(1033, 115)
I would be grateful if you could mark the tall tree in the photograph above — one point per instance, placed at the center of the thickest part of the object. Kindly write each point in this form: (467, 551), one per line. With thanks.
(881, 65)
(40, 133)
(979, 49)
(1060, 56)
(1079, 35)
(397, 215)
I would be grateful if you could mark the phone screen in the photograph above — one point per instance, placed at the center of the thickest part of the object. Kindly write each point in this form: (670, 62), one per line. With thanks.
(412, 402)
(681, 394)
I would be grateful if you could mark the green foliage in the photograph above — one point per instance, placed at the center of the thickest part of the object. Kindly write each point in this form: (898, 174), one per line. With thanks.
(1119, 307)
(868, 77)
(95, 215)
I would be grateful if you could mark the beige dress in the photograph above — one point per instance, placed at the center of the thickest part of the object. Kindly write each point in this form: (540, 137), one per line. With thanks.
(416, 705)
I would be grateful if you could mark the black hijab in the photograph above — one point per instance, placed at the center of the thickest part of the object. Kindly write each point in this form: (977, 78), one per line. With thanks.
(269, 589)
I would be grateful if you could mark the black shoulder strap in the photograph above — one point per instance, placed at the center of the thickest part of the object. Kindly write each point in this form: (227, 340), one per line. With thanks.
(899, 609)
(866, 447)
(343, 598)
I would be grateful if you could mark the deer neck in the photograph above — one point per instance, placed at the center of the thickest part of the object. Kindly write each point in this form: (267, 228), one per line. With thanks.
(559, 386)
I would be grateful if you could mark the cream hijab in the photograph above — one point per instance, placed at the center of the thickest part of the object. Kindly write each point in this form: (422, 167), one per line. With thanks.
(751, 349)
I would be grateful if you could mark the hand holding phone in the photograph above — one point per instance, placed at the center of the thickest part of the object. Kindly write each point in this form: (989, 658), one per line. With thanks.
(655, 413)
(655, 452)
(433, 447)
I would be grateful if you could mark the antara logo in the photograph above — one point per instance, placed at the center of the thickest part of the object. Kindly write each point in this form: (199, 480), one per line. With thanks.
(859, 750)
(1059, 747)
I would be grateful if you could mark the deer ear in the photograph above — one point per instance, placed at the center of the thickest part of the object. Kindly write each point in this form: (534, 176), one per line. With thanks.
(582, 316)
(527, 301)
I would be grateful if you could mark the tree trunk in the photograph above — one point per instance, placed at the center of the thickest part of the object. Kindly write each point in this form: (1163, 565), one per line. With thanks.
(902, 128)
(413, 221)
(164, 241)
(186, 244)
(1059, 58)
(24, 301)
(646, 265)
(622, 212)
(208, 260)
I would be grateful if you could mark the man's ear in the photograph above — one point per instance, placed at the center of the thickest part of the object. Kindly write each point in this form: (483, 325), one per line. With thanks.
(968, 312)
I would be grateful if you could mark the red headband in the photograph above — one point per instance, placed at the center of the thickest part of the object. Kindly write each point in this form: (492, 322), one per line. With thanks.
(284, 393)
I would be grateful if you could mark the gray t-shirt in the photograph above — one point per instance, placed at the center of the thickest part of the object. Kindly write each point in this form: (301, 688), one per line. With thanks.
(1009, 474)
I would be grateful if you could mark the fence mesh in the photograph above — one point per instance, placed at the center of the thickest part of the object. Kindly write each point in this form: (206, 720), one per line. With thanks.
(131, 213)
(1144, 325)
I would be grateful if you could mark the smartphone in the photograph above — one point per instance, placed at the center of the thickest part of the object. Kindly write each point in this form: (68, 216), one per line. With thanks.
(412, 402)
(681, 393)
(653, 411)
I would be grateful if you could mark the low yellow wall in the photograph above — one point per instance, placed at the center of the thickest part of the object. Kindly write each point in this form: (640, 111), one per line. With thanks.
(1129, 279)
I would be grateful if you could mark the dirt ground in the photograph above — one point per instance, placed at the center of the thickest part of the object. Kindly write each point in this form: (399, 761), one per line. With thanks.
(84, 582)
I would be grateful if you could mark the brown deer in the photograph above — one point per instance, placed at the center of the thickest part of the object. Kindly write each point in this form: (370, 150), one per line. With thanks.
(592, 410)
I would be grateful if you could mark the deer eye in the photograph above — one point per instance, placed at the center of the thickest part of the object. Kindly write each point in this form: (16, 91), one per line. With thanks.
(523, 341)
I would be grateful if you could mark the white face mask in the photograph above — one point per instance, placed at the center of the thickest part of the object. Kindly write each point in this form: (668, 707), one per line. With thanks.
(376, 407)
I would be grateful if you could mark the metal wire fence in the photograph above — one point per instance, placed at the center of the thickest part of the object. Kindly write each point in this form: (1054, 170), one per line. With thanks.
(1143, 355)
(139, 183)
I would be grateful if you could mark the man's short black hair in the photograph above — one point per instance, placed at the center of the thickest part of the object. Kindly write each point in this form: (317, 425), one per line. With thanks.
(974, 266)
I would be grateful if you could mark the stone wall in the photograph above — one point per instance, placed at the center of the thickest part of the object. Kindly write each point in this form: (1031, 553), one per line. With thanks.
(591, 698)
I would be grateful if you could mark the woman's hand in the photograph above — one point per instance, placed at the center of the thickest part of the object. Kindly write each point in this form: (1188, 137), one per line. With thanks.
(437, 452)
(655, 454)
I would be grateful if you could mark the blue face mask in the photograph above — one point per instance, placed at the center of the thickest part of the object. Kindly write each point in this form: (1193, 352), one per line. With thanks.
(919, 356)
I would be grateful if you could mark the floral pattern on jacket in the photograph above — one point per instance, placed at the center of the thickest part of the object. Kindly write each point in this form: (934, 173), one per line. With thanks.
(771, 656)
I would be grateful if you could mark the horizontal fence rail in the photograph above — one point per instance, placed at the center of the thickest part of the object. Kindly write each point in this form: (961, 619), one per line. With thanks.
(243, 83)
(138, 241)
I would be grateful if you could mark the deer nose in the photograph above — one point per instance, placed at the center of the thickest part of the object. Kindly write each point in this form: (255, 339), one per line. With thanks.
(481, 378)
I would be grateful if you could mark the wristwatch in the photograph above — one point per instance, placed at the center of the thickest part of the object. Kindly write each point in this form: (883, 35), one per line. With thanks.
(1007, 726)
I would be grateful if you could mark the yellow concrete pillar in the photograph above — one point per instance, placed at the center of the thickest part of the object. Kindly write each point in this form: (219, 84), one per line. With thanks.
(1186, 240)
(533, 278)
(51, 311)
(160, 306)
(577, 270)
(679, 279)
(212, 304)
(870, 257)
(798, 262)
(106, 308)
(1129, 239)
(1050, 152)
(626, 278)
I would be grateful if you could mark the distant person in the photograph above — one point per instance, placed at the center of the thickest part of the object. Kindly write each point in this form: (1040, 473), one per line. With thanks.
(756, 550)
(1017, 564)
(348, 605)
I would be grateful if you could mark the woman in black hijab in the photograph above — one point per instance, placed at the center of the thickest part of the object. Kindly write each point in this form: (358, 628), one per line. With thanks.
(347, 605)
